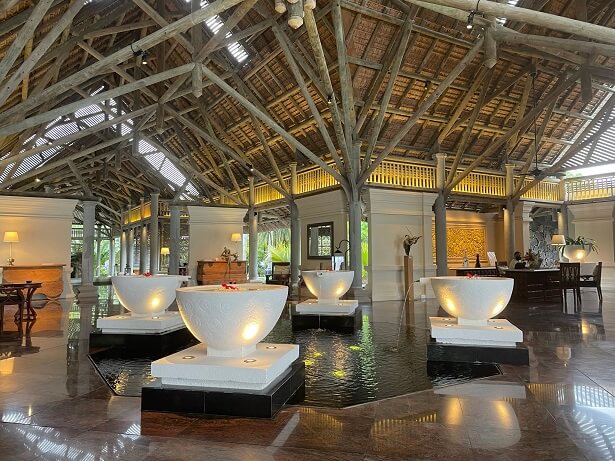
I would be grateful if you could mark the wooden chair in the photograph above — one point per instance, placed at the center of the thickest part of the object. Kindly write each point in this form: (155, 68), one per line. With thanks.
(594, 280)
(570, 279)
(280, 274)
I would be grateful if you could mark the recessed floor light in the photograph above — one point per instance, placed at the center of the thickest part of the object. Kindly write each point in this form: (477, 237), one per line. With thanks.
(499, 328)
(250, 360)
(271, 347)
(188, 357)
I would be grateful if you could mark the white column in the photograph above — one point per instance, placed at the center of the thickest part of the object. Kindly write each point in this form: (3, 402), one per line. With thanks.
(252, 235)
(174, 240)
(87, 289)
(154, 237)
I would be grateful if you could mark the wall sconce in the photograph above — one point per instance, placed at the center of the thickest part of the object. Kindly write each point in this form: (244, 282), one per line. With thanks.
(338, 258)
(11, 237)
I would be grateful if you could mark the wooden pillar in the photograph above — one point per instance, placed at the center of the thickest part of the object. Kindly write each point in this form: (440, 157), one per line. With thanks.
(143, 240)
(295, 232)
(439, 209)
(174, 239)
(154, 237)
(112, 255)
(354, 237)
(252, 235)
(509, 213)
(123, 250)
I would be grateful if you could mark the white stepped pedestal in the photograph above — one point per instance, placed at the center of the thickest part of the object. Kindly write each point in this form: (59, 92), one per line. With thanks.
(332, 307)
(130, 324)
(494, 332)
(256, 371)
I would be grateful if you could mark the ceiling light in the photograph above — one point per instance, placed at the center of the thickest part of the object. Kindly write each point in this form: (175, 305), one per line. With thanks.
(37, 179)
(470, 24)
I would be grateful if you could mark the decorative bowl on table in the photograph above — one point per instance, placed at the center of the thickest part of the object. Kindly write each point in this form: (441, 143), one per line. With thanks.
(328, 286)
(146, 295)
(473, 300)
(231, 319)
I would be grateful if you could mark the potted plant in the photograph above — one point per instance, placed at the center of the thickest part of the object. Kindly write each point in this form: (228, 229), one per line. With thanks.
(577, 249)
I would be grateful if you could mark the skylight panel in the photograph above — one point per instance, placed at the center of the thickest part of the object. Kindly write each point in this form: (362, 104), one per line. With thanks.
(156, 159)
(214, 24)
(170, 171)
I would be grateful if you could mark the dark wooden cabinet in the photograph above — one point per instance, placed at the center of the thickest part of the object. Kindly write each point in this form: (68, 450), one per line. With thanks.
(535, 284)
(218, 272)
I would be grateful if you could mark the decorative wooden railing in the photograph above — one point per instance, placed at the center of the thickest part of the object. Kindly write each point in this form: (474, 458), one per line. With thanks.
(590, 187)
(419, 177)
(398, 174)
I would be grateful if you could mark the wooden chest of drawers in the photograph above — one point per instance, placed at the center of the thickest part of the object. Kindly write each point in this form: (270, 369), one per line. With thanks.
(217, 272)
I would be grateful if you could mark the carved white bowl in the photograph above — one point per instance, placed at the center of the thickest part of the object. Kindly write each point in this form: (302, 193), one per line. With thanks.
(328, 286)
(575, 253)
(472, 300)
(231, 322)
(145, 296)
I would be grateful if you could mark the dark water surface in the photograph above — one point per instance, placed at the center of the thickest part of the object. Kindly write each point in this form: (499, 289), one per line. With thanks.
(341, 369)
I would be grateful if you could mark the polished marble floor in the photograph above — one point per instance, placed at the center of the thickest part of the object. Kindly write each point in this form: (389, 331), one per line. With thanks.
(54, 406)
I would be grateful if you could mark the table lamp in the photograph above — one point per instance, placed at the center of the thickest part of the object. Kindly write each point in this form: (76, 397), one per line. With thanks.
(11, 237)
(558, 240)
(236, 237)
(164, 251)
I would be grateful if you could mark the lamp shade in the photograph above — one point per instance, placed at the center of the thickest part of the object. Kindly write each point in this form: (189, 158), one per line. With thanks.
(11, 237)
(558, 239)
(235, 237)
(165, 251)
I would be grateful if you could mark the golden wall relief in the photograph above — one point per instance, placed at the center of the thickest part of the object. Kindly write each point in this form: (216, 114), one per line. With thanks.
(463, 239)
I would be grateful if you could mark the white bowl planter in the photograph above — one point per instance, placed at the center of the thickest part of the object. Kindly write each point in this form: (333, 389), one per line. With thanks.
(472, 300)
(576, 253)
(146, 296)
(231, 321)
(328, 286)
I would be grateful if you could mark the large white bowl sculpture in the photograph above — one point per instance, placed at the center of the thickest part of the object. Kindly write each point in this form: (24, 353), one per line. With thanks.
(146, 296)
(472, 300)
(328, 286)
(231, 321)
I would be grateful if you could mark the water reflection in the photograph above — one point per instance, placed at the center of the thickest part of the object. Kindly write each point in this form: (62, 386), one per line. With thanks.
(583, 409)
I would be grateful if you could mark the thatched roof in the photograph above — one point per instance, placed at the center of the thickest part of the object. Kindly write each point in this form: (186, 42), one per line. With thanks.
(212, 139)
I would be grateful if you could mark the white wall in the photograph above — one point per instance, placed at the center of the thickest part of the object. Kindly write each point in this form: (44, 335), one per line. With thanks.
(44, 227)
(595, 221)
(210, 232)
(328, 207)
(391, 213)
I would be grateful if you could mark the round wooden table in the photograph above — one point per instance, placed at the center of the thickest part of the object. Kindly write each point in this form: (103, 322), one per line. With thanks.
(21, 295)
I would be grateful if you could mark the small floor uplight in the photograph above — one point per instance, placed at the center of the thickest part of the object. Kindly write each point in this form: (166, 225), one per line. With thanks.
(249, 360)
(155, 317)
(271, 347)
(499, 328)
(448, 325)
(188, 357)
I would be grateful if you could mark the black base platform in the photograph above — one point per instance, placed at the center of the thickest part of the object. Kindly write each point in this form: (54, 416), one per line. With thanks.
(438, 352)
(338, 323)
(157, 344)
(289, 388)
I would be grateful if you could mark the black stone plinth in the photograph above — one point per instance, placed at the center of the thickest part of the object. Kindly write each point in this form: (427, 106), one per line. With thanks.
(152, 344)
(337, 323)
(438, 352)
(288, 388)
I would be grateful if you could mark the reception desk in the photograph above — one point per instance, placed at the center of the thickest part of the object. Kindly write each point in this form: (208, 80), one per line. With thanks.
(51, 276)
(535, 284)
